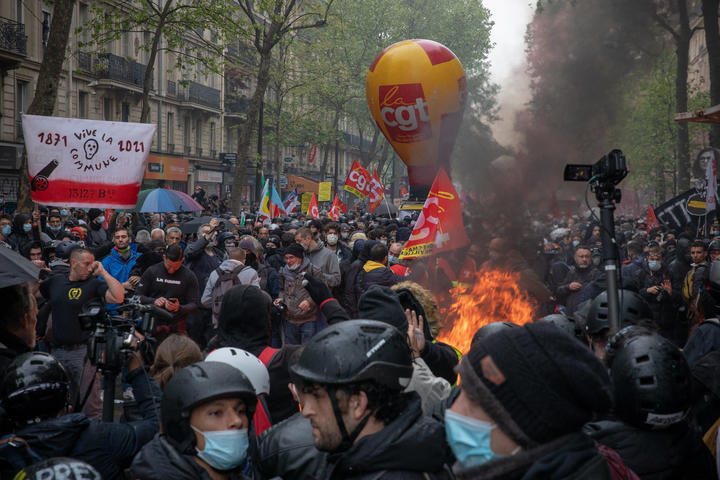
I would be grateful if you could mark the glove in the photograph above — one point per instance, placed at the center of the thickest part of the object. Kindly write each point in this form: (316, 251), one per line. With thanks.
(318, 291)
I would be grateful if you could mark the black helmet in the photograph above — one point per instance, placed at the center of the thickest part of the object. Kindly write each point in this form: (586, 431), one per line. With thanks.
(224, 236)
(35, 388)
(632, 308)
(64, 249)
(490, 329)
(564, 323)
(356, 351)
(714, 245)
(194, 385)
(59, 467)
(651, 380)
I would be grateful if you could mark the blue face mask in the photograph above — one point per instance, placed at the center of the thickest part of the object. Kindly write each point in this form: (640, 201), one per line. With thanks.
(392, 259)
(55, 228)
(224, 449)
(575, 243)
(64, 212)
(654, 265)
(100, 219)
(27, 227)
(469, 439)
(6, 230)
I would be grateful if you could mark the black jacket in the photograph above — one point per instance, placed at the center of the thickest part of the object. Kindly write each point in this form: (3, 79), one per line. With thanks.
(571, 299)
(10, 347)
(287, 450)
(109, 447)
(573, 457)
(705, 339)
(664, 306)
(377, 276)
(409, 447)
(674, 453)
(158, 460)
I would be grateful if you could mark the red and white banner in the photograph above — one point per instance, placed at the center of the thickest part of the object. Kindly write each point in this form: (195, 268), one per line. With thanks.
(439, 227)
(376, 193)
(358, 180)
(108, 215)
(313, 210)
(86, 163)
(337, 209)
(312, 153)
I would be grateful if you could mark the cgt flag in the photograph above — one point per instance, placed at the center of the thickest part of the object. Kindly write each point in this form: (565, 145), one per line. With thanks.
(439, 227)
(651, 220)
(376, 193)
(313, 207)
(358, 180)
(337, 209)
(86, 163)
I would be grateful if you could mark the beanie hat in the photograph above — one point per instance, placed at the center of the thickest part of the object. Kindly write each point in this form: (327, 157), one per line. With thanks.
(382, 304)
(295, 249)
(536, 382)
(402, 234)
(93, 213)
(78, 231)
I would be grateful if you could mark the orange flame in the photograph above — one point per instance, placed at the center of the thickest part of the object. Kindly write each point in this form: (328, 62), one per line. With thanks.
(494, 297)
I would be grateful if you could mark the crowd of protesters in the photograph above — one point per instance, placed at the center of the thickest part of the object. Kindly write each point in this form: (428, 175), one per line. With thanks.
(300, 348)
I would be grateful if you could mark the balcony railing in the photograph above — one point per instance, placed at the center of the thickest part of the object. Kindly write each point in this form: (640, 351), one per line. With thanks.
(197, 93)
(12, 37)
(84, 62)
(236, 105)
(118, 68)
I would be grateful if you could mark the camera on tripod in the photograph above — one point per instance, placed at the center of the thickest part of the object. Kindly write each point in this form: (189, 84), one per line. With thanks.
(605, 173)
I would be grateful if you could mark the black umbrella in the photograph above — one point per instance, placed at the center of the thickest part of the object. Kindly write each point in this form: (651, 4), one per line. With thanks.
(15, 269)
(193, 225)
(385, 209)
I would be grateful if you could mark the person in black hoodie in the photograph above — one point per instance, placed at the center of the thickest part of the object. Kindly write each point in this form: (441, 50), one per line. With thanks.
(650, 431)
(97, 235)
(351, 378)
(17, 322)
(350, 272)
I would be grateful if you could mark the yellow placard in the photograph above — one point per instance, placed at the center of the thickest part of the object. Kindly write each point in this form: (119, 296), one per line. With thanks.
(305, 202)
(324, 191)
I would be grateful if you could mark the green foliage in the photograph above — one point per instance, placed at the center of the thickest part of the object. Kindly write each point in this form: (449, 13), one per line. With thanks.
(646, 131)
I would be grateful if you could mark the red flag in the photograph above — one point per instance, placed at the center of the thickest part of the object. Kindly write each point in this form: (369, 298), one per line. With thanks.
(404, 192)
(313, 207)
(651, 220)
(439, 227)
(376, 193)
(108, 215)
(358, 180)
(338, 208)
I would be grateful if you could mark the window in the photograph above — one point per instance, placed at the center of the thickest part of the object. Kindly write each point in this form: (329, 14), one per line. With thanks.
(198, 136)
(22, 102)
(46, 26)
(83, 101)
(147, 42)
(186, 134)
(125, 112)
(212, 138)
(170, 129)
(84, 19)
(125, 47)
(20, 11)
(108, 109)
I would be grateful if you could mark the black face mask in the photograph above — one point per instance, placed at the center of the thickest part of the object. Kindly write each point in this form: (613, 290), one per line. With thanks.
(269, 252)
(250, 259)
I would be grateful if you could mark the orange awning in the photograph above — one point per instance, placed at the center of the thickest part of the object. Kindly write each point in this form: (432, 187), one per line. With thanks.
(706, 115)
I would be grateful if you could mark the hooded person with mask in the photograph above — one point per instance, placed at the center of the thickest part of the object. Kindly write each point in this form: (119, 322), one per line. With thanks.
(21, 235)
(97, 235)
(244, 323)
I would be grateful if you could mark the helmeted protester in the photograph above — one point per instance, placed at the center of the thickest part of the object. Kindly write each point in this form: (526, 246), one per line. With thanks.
(351, 377)
(525, 394)
(633, 311)
(206, 413)
(35, 395)
(58, 468)
(652, 388)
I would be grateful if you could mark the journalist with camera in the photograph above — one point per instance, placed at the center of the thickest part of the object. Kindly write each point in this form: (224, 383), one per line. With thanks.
(67, 295)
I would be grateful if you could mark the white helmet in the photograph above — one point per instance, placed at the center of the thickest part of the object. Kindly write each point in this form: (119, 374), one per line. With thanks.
(558, 234)
(247, 363)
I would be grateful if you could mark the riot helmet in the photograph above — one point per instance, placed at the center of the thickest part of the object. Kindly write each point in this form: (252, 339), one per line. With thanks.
(490, 329)
(566, 324)
(632, 309)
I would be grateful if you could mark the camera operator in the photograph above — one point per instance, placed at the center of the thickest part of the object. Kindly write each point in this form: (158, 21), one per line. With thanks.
(34, 395)
(658, 292)
(66, 296)
(172, 286)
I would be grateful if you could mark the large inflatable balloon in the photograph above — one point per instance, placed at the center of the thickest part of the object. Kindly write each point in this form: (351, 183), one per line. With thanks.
(416, 92)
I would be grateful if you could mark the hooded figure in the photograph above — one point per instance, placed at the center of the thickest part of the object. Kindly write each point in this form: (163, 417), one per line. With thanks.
(21, 235)
(244, 322)
(97, 235)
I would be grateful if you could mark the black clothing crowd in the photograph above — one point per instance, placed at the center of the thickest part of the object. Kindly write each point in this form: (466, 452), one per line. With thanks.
(300, 348)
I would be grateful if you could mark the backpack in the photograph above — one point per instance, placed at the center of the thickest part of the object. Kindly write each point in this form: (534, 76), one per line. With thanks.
(226, 280)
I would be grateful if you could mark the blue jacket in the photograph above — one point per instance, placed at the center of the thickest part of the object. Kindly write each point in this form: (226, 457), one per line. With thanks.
(119, 268)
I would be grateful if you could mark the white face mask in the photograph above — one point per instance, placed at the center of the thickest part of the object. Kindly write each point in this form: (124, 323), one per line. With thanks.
(332, 239)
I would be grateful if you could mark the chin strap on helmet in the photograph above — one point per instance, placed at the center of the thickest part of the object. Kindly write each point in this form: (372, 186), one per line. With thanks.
(347, 439)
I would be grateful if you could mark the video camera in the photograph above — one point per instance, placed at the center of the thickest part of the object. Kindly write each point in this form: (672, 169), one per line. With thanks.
(112, 337)
(606, 172)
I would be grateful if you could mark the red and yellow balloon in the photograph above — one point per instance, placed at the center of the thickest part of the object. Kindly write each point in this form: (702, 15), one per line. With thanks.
(416, 92)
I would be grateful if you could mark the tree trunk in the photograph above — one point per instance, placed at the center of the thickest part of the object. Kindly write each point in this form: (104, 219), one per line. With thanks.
(367, 158)
(43, 102)
(712, 42)
(681, 96)
(248, 128)
(328, 146)
(147, 79)
(383, 158)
